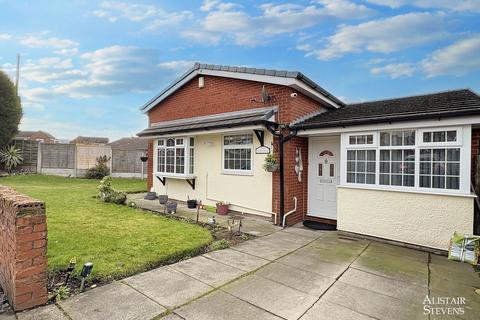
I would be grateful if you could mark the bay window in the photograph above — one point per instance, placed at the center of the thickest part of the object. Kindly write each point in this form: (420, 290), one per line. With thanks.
(414, 159)
(171, 155)
(238, 153)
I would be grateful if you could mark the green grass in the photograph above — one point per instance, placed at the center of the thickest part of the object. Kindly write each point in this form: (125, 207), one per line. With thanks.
(119, 240)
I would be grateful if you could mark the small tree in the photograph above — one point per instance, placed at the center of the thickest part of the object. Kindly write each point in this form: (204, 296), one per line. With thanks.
(100, 170)
(10, 111)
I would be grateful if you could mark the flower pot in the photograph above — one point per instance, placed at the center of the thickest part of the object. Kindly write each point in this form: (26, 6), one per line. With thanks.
(191, 204)
(150, 196)
(272, 168)
(222, 209)
(171, 207)
(163, 198)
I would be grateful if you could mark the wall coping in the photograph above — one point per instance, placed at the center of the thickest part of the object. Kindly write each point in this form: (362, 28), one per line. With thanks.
(433, 193)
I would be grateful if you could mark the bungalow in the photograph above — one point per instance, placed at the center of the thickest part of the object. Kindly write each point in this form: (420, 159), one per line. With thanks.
(398, 169)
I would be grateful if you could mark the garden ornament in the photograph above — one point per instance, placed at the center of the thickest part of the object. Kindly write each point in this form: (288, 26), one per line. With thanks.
(298, 164)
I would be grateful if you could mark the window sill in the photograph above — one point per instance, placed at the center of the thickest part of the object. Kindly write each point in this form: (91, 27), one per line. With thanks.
(237, 173)
(175, 175)
(446, 193)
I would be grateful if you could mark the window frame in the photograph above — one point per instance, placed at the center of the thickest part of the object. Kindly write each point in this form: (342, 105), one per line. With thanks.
(238, 146)
(463, 143)
(185, 145)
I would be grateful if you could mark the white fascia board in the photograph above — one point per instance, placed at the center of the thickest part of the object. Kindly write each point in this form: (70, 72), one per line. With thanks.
(205, 132)
(453, 121)
(283, 81)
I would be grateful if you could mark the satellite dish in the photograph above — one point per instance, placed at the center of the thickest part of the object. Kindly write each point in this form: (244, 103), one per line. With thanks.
(265, 96)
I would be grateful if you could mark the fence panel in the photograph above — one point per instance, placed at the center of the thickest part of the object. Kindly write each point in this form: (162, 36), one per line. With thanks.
(58, 156)
(29, 152)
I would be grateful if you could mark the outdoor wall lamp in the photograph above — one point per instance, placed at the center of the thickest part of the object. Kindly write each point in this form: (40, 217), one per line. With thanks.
(86, 271)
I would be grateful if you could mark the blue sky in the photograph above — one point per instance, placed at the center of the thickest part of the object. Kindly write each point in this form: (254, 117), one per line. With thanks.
(88, 66)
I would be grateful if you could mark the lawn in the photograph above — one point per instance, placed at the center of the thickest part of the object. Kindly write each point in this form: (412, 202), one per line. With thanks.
(119, 240)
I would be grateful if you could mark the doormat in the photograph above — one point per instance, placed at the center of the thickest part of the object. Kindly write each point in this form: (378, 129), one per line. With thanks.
(319, 226)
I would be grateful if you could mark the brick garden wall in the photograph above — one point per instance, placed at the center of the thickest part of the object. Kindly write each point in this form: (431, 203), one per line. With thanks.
(227, 95)
(23, 249)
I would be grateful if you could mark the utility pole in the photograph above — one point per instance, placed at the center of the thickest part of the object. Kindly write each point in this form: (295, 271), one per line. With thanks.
(17, 78)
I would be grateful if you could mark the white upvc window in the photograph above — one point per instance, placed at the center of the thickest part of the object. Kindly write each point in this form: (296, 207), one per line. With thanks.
(238, 154)
(173, 154)
(423, 159)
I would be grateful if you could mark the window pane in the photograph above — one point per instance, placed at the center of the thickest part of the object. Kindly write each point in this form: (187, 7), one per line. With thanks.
(320, 169)
(396, 180)
(409, 138)
(451, 136)
(179, 142)
(438, 168)
(438, 154)
(371, 155)
(438, 182)
(453, 183)
(427, 137)
(409, 155)
(397, 155)
(409, 180)
(370, 139)
(453, 169)
(370, 166)
(353, 140)
(384, 138)
(439, 136)
(361, 140)
(180, 160)
(453, 154)
(397, 138)
(350, 166)
(385, 167)
(409, 167)
(385, 179)
(425, 168)
(192, 142)
(170, 160)
(370, 179)
(384, 155)
(360, 177)
(170, 142)
(361, 166)
(361, 154)
(351, 177)
(425, 155)
(161, 142)
(425, 181)
(332, 170)
(161, 160)
(396, 167)
(350, 155)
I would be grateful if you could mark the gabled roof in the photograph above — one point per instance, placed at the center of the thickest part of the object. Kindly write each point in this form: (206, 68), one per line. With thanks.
(293, 79)
(258, 116)
(28, 134)
(131, 143)
(437, 105)
(89, 140)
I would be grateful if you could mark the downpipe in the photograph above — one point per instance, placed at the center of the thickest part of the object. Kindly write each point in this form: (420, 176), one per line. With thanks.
(290, 212)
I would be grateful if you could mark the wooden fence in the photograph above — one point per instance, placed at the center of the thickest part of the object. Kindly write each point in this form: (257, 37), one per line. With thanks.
(74, 160)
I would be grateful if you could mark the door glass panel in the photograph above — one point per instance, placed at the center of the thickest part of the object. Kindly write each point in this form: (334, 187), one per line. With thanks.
(332, 170)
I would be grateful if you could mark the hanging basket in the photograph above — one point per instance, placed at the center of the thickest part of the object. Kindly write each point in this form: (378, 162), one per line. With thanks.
(272, 168)
(162, 198)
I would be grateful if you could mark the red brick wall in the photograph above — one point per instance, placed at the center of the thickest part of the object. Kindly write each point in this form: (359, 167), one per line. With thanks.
(23, 249)
(150, 164)
(227, 95)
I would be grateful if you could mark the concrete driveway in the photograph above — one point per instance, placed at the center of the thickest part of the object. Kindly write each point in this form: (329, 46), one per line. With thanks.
(290, 274)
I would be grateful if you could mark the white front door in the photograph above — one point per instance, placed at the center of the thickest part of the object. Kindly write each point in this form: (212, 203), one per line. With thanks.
(323, 176)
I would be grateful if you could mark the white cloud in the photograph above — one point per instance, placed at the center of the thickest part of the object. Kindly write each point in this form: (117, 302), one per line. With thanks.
(5, 36)
(156, 17)
(457, 59)
(395, 70)
(453, 5)
(67, 51)
(230, 21)
(35, 41)
(386, 35)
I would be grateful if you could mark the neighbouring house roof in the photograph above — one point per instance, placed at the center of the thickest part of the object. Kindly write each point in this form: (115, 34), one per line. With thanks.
(28, 134)
(437, 105)
(293, 79)
(258, 116)
(89, 140)
(131, 143)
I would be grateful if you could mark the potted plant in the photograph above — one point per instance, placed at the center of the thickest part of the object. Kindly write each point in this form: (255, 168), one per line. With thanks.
(222, 208)
(270, 163)
(171, 207)
(162, 198)
(191, 203)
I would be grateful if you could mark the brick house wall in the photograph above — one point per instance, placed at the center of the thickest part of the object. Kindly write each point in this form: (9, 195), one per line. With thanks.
(23, 249)
(475, 151)
(221, 95)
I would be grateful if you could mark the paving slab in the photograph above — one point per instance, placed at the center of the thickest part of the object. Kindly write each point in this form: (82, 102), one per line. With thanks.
(237, 259)
(50, 312)
(208, 271)
(265, 249)
(462, 273)
(402, 290)
(372, 304)
(113, 301)
(334, 254)
(403, 252)
(333, 241)
(305, 281)
(9, 315)
(304, 232)
(313, 262)
(168, 287)
(171, 316)
(288, 239)
(393, 266)
(222, 306)
(274, 297)
(329, 311)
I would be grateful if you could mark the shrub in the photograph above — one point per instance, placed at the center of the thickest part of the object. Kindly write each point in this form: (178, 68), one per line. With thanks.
(10, 111)
(108, 194)
(100, 170)
(219, 245)
(10, 158)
